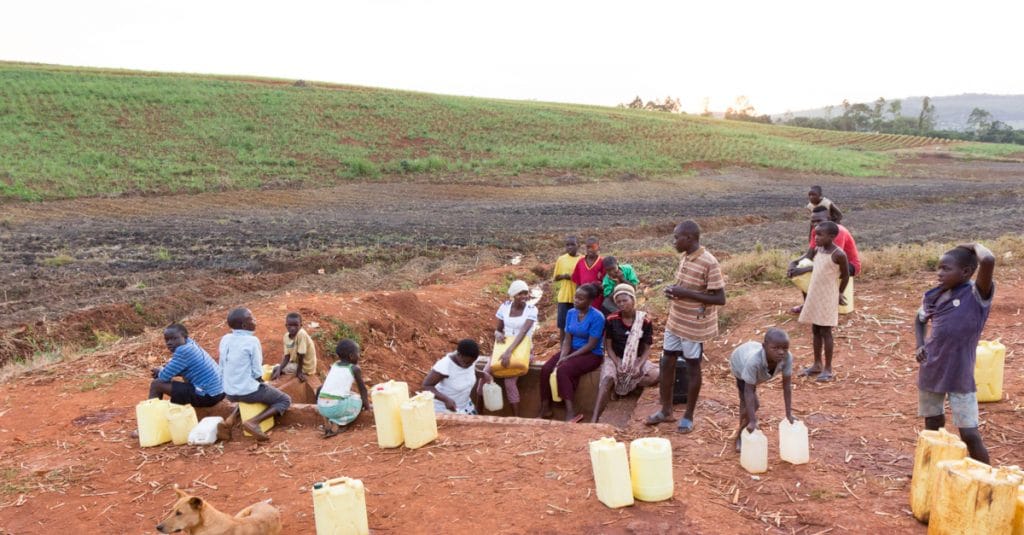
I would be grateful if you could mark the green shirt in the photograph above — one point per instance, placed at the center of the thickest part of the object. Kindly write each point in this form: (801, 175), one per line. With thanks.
(627, 273)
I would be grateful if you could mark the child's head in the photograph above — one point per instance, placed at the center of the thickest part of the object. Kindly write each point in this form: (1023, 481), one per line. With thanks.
(593, 246)
(956, 266)
(776, 344)
(175, 336)
(241, 318)
(611, 266)
(572, 245)
(292, 323)
(814, 195)
(519, 291)
(347, 351)
(467, 352)
(825, 233)
(685, 236)
(819, 215)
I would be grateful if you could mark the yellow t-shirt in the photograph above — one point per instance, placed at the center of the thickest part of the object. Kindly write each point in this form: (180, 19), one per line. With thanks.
(302, 343)
(565, 290)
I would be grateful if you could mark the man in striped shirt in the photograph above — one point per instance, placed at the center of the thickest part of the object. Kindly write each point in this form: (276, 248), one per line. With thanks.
(202, 386)
(692, 320)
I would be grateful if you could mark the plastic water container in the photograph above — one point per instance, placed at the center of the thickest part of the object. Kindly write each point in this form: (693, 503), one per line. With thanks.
(972, 497)
(1018, 516)
(387, 400)
(988, 370)
(339, 507)
(419, 423)
(205, 433)
(493, 399)
(268, 370)
(754, 451)
(553, 381)
(611, 472)
(181, 419)
(932, 447)
(153, 427)
(848, 294)
(518, 365)
(650, 466)
(249, 410)
(793, 443)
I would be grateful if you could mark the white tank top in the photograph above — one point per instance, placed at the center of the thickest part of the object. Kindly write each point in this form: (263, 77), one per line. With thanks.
(339, 381)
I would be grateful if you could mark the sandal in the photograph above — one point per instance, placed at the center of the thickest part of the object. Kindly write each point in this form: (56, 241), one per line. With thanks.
(685, 426)
(796, 310)
(825, 377)
(809, 371)
(577, 419)
(656, 418)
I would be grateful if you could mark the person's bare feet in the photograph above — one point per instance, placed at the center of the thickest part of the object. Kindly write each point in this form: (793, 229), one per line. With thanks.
(255, 431)
(739, 442)
(796, 310)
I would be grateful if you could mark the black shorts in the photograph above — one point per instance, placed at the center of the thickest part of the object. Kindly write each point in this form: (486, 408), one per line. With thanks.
(184, 393)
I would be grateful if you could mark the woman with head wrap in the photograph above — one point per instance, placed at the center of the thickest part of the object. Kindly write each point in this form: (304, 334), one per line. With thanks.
(628, 337)
(516, 321)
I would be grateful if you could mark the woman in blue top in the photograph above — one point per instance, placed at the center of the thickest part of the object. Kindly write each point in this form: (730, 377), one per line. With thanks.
(581, 352)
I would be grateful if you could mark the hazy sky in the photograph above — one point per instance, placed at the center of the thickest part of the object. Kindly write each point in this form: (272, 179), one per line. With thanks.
(782, 54)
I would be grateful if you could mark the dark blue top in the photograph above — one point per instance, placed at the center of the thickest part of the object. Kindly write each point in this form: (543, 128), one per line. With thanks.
(196, 366)
(952, 343)
(591, 325)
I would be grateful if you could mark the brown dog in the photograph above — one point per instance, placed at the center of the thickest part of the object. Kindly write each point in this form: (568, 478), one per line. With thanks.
(192, 514)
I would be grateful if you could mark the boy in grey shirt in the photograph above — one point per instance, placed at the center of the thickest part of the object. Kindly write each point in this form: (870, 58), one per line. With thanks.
(753, 363)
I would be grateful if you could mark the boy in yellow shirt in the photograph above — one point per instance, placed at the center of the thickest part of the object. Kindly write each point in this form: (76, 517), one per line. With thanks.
(299, 350)
(565, 288)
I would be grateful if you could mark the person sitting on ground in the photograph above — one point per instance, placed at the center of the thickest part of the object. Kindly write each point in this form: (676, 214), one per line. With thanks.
(335, 400)
(590, 269)
(452, 379)
(580, 353)
(844, 240)
(628, 338)
(957, 309)
(753, 363)
(241, 365)
(202, 385)
(614, 275)
(815, 199)
(299, 350)
(565, 288)
(517, 319)
(824, 296)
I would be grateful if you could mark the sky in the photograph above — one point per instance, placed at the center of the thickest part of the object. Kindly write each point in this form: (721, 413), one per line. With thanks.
(783, 55)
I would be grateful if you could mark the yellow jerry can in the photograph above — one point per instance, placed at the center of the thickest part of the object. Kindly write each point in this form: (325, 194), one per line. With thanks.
(932, 447)
(611, 472)
(518, 365)
(650, 466)
(339, 507)
(387, 400)
(153, 426)
(988, 371)
(181, 419)
(971, 497)
(249, 410)
(419, 422)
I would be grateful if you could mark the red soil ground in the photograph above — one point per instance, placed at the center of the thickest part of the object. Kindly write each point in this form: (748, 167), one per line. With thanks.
(67, 461)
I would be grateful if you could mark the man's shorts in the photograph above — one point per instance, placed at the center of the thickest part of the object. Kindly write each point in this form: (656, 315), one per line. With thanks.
(184, 393)
(963, 405)
(691, 350)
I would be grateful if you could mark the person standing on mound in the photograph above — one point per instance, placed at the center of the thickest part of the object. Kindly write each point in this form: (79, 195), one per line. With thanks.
(692, 320)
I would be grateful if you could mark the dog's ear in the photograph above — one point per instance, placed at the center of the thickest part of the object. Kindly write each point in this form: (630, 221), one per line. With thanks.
(180, 492)
(196, 503)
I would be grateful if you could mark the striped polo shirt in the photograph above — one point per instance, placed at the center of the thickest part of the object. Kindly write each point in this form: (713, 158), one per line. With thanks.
(195, 365)
(688, 319)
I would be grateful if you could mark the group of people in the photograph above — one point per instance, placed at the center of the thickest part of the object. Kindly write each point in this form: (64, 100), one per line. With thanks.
(601, 327)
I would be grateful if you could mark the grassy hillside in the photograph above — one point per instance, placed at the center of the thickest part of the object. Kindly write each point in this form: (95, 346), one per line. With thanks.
(77, 132)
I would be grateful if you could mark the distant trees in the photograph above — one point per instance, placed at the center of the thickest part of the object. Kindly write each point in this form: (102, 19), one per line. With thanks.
(887, 117)
(743, 110)
(669, 104)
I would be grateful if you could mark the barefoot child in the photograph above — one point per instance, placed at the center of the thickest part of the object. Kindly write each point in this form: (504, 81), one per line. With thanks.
(299, 350)
(565, 288)
(335, 400)
(754, 363)
(957, 309)
(821, 309)
(202, 386)
(241, 365)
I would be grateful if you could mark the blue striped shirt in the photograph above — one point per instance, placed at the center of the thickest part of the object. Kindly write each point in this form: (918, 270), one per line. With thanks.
(195, 365)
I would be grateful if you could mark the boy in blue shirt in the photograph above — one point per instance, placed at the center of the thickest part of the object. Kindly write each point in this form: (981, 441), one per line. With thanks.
(202, 386)
(957, 309)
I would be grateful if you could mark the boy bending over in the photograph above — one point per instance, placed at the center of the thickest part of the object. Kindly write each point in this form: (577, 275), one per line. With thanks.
(754, 363)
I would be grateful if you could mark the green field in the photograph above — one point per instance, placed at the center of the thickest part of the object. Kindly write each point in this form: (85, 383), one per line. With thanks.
(68, 132)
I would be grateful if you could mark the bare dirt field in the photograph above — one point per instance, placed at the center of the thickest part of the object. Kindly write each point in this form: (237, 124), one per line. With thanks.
(414, 267)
